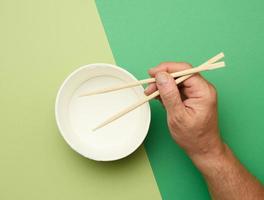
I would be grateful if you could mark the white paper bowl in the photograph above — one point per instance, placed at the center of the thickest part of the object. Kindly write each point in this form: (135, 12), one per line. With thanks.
(77, 116)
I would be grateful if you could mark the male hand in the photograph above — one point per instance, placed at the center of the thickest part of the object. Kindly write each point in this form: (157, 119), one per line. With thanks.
(192, 119)
(191, 110)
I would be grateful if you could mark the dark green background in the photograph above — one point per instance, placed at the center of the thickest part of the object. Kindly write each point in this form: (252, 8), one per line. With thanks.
(144, 33)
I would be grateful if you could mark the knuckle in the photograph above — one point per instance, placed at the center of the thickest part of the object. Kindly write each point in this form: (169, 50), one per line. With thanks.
(212, 90)
(187, 65)
(212, 93)
(163, 64)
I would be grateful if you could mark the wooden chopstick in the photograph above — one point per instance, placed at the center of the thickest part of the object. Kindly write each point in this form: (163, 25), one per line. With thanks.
(205, 67)
(156, 93)
(137, 104)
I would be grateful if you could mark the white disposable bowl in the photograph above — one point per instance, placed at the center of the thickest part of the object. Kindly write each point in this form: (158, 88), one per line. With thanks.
(77, 116)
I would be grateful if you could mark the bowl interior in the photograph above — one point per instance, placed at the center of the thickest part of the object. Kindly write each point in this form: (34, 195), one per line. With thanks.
(77, 116)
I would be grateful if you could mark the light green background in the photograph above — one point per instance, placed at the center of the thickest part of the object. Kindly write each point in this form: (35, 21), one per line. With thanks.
(143, 33)
(41, 42)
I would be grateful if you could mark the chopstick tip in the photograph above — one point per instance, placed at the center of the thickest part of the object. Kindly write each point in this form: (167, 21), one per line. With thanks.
(96, 128)
(222, 54)
(217, 65)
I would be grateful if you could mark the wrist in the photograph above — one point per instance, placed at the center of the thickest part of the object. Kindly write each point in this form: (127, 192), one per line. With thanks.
(211, 159)
(211, 153)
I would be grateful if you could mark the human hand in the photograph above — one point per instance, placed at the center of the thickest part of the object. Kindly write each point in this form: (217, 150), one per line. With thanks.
(192, 119)
(191, 110)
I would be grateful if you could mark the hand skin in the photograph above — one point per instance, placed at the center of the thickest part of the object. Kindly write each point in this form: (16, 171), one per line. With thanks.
(193, 124)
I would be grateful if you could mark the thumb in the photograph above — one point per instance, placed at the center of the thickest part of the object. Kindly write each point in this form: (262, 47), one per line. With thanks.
(169, 92)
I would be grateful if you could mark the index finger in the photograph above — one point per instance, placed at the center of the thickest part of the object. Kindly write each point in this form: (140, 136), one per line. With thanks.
(195, 82)
(169, 67)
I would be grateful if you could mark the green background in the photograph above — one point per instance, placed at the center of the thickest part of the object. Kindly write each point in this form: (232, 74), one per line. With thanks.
(144, 33)
(41, 42)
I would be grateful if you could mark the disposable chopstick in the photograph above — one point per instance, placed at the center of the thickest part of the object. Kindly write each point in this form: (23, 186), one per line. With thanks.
(204, 67)
(152, 96)
(137, 104)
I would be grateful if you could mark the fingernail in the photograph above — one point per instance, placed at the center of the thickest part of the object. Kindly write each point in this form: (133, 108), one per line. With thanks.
(162, 78)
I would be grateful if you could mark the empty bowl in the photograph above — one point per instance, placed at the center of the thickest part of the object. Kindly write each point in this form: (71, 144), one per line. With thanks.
(77, 116)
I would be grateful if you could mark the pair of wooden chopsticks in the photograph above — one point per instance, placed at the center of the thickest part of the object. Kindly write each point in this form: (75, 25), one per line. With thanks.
(211, 64)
